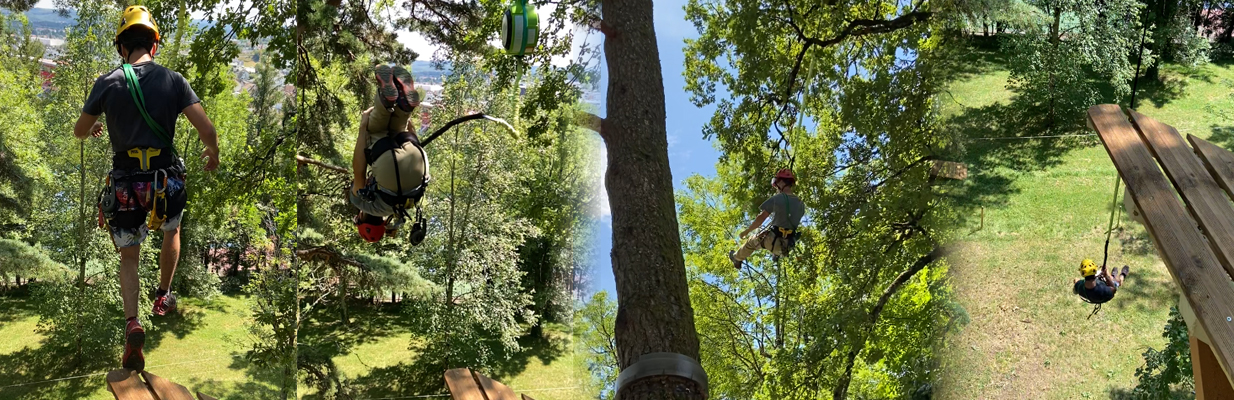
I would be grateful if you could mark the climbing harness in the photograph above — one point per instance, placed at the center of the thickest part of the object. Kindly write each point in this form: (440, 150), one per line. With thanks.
(141, 164)
(399, 199)
(403, 200)
(520, 28)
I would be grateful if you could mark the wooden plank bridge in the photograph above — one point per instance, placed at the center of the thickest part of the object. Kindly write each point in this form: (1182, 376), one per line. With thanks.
(466, 384)
(1194, 237)
(132, 385)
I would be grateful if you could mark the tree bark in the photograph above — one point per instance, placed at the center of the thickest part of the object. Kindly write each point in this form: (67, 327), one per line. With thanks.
(653, 312)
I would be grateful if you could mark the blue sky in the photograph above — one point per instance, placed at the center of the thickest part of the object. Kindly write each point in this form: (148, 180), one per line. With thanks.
(688, 153)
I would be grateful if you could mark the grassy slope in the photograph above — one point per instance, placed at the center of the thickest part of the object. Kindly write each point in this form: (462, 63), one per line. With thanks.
(1047, 203)
(199, 349)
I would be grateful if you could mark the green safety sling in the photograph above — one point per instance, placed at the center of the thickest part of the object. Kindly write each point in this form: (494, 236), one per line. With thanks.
(135, 90)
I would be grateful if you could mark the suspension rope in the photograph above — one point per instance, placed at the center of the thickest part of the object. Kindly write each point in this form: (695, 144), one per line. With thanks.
(1110, 230)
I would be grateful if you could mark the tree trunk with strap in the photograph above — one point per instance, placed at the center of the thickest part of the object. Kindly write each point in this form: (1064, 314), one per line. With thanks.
(653, 313)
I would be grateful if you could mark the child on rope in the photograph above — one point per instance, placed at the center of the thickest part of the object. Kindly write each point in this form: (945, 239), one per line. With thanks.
(1095, 288)
(785, 210)
(142, 101)
(390, 169)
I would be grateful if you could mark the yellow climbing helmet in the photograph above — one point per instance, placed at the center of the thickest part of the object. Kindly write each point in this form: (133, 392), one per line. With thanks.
(134, 16)
(1088, 268)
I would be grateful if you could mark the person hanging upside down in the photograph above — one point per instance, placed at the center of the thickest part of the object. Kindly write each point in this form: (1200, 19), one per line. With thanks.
(389, 167)
(146, 177)
(1097, 288)
(785, 210)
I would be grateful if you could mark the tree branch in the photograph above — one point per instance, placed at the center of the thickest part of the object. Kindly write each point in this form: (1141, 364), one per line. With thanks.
(589, 121)
(305, 160)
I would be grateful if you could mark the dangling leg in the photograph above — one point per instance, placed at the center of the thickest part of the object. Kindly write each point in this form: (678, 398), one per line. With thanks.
(753, 243)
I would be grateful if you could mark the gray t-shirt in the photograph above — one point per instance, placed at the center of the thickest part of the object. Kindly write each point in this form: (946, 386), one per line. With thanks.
(166, 92)
(786, 210)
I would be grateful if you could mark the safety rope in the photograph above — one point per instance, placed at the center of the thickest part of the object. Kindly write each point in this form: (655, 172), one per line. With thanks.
(1110, 230)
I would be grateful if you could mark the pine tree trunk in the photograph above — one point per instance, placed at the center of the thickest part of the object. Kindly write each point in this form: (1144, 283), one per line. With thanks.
(653, 313)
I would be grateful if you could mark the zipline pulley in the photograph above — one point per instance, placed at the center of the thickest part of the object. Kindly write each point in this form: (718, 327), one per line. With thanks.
(520, 28)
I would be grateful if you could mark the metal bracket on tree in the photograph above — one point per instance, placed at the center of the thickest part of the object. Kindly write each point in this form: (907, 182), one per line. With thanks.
(663, 364)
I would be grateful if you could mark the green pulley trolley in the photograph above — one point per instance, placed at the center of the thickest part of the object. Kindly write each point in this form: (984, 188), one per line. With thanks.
(520, 28)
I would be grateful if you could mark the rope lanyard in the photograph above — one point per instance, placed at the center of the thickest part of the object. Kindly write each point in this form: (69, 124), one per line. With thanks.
(140, 100)
(1110, 230)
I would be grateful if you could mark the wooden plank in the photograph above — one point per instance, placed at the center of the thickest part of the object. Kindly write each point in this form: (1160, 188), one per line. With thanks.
(165, 389)
(127, 386)
(463, 386)
(1207, 201)
(204, 397)
(495, 390)
(949, 170)
(1192, 264)
(1219, 161)
(1210, 382)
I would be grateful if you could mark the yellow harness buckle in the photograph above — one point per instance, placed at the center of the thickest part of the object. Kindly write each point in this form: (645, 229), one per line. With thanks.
(143, 155)
(785, 232)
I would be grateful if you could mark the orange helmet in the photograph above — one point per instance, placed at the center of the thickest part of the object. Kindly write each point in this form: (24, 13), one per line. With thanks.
(371, 228)
(786, 175)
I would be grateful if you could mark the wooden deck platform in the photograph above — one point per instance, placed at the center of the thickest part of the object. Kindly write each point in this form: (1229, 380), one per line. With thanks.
(466, 384)
(132, 385)
(1194, 236)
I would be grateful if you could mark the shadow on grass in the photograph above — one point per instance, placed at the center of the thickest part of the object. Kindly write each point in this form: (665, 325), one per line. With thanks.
(1137, 294)
(425, 375)
(31, 366)
(1000, 145)
(1138, 244)
(1117, 393)
(179, 324)
(1169, 87)
(15, 306)
(1222, 136)
(369, 323)
(35, 368)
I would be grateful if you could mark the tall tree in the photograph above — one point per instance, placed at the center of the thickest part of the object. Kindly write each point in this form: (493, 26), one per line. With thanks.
(843, 93)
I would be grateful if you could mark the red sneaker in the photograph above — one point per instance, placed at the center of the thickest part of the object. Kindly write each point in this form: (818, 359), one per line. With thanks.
(408, 97)
(134, 338)
(165, 303)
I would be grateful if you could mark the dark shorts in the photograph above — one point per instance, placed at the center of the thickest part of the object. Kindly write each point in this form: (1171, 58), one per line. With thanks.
(137, 198)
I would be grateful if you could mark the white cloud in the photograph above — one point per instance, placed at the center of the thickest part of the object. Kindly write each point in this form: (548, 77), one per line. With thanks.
(417, 43)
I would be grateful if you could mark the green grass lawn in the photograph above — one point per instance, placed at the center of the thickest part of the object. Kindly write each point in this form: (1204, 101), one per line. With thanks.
(1046, 207)
(200, 348)
(380, 363)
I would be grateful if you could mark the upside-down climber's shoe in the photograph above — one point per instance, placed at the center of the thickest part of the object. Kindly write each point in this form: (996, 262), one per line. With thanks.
(408, 98)
(1126, 270)
(733, 258)
(164, 304)
(385, 85)
(134, 338)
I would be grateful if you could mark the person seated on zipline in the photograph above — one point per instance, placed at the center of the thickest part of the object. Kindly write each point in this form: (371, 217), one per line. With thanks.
(1097, 288)
(785, 210)
(389, 168)
(142, 101)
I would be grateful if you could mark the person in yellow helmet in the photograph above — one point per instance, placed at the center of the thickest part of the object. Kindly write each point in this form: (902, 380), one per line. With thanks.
(142, 101)
(1096, 285)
